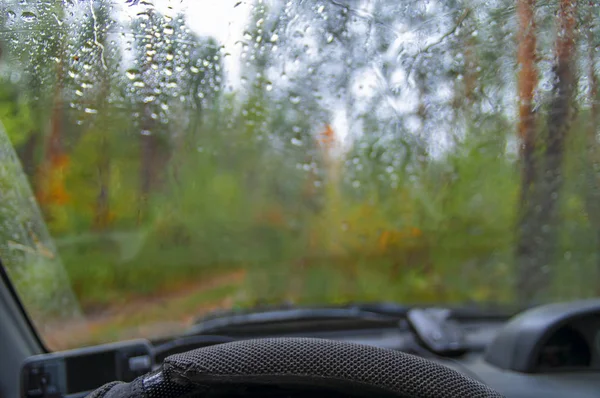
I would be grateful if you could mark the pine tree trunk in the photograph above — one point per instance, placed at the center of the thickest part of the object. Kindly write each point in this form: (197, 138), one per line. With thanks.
(527, 82)
(102, 210)
(50, 188)
(536, 276)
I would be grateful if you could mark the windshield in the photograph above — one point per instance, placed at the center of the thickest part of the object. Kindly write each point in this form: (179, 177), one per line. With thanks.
(164, 159)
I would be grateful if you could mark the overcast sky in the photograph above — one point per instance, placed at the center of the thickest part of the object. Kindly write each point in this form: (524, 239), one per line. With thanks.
(224, 20)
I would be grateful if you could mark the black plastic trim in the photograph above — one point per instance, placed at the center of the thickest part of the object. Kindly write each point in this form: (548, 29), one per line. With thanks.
(17, 301)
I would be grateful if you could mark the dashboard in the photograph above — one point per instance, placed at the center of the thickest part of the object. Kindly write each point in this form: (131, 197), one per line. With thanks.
(550, 351)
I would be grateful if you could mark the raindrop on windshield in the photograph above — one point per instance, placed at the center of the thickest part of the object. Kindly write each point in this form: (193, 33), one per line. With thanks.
(296, 142)
(28, 16)
(131, 74)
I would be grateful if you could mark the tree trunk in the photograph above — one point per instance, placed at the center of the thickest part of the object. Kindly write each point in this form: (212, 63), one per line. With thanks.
(593, 153)
(50, 188)
(535, 277)
(527, 82)
(102, 210)
(558, 128)
(423, 115)
(102, 217)
(148, 172)
(147, 169)
(27, 154)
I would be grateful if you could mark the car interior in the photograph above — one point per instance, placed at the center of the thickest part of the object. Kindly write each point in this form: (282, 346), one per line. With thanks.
(272, 198)
(549, 350)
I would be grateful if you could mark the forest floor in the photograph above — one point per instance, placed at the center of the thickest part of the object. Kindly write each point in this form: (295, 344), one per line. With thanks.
(152, 317)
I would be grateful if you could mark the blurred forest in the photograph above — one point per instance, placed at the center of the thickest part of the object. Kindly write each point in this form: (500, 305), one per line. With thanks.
(439, 151)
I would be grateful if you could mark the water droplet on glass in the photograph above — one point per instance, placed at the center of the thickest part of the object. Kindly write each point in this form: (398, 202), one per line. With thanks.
(170, 57)
(329, 38)
(259, 22)
(274, 37)
(28, 16)
(164, 107)
(269, 87)
(149, 98)
(11, 14)
(194, 70)
(90, 111)
(321, 9)
(146, 132)
(295, 99)
(131, 74)
(296, 142)
(168, 30)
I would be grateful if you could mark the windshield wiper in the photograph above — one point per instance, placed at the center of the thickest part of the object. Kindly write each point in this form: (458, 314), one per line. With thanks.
(262, 319)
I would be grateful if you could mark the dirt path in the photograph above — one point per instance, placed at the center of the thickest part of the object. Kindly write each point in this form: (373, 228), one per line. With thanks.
(155, 316)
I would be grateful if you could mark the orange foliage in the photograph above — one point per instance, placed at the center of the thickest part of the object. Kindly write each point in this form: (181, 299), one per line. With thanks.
(327, 137)
(52, 189)
(389, 239)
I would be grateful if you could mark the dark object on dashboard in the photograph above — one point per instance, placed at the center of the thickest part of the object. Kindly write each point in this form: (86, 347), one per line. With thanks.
(562, 336)
(80, 371)
(299, 363)
(437, 332)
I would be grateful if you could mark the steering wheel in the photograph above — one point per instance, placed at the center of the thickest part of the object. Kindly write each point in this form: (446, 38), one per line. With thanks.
(298, 363)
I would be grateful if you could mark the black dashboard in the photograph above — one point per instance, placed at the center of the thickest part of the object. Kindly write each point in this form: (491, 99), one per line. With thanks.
(550, 351)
